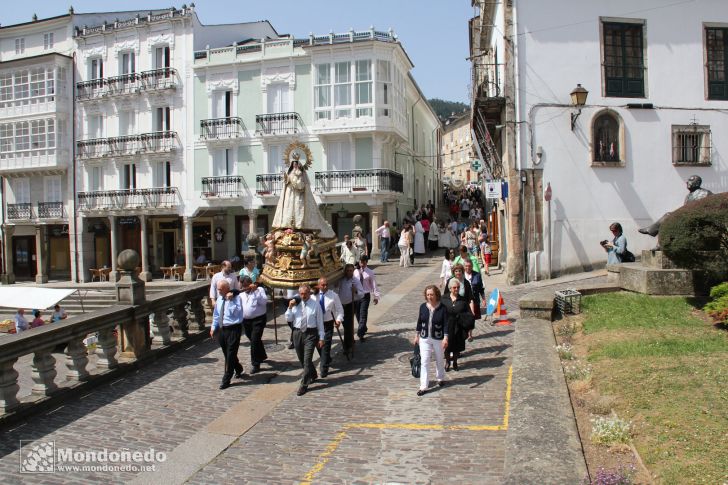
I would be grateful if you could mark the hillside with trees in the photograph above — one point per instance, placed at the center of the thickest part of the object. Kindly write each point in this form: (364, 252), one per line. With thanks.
(445, 108)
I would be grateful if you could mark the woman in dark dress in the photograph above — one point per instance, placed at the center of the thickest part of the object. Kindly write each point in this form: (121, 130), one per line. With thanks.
(459, 318)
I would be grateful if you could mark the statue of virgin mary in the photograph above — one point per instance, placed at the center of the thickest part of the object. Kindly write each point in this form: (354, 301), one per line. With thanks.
(297, 209)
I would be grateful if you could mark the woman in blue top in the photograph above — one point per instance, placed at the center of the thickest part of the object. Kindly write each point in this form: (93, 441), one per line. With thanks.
(616, 249)
(250, 270)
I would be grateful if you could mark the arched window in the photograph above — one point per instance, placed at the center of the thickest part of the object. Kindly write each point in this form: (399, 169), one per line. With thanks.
(606, 138)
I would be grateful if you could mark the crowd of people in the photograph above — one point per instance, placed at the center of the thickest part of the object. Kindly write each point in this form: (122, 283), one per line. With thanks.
(22, 324)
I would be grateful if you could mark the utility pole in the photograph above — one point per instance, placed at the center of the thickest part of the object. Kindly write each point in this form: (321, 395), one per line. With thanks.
(514, 216)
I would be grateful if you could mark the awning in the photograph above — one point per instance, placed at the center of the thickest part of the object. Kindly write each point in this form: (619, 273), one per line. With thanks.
(32, 297)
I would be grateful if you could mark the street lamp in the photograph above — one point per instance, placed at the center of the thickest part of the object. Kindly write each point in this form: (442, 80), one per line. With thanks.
(578, 100)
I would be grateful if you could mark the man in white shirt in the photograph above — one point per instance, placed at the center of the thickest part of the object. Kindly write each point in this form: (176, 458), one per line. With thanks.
(350, 292)
(226, 327)
(58, 314)
(333, 315)
(349, 252)
(255, 306)
(365, 275)
(226, 273)
(308, 333)
(384, 239)
(21, 324)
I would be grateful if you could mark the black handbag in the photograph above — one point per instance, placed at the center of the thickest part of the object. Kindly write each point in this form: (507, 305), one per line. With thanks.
(627, 257)
(416, 362)
(467, 321)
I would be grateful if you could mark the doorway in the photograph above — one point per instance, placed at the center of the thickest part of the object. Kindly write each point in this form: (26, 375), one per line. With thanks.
(24, 258)
(168, 248)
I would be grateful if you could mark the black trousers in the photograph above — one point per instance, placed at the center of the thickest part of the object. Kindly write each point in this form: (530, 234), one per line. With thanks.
(229, 338)
(325, 351)
(348, 325)
(362, 314)
(254, 328)
(305, 342)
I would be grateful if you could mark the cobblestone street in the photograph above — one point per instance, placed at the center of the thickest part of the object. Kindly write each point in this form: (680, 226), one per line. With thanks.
(362, 424)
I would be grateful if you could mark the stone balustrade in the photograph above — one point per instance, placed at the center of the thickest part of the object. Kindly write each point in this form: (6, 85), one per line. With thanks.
(124, 331)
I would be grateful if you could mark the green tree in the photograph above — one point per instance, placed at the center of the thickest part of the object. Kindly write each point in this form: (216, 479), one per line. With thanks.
(444, 109)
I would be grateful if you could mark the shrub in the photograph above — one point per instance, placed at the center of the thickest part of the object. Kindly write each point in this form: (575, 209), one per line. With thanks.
(695, 236)
(566, 352)
(611, 431)
(717, 309)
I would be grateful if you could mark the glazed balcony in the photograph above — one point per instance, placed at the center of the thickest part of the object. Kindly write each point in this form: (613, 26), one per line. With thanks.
(223, 187)
(125, 84)
(50, 210)
(124, 199)
(359, 181)
(278, 124)
(228, 128)
(127, 145)
(20, 212)
(268, 184)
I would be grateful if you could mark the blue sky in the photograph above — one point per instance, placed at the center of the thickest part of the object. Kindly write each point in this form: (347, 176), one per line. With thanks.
(434, 32)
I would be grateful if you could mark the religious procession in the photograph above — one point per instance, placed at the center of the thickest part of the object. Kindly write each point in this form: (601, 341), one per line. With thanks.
(328, 287)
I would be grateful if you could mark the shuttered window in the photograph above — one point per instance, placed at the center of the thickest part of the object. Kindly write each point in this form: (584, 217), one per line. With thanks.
(624, 66)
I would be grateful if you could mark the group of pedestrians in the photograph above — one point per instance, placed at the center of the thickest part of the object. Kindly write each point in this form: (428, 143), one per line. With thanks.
(240, 305)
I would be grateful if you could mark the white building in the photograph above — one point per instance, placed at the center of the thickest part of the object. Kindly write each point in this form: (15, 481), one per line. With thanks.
(657, 83)
(36, 108)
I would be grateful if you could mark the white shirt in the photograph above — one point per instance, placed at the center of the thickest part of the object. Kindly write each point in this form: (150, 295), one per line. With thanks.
(254, 303)
(349, 256)
(21, 324)
(333, 310)
(232, 279)
(368, 282)
(345, 293)
(305, 315)
(383, 232)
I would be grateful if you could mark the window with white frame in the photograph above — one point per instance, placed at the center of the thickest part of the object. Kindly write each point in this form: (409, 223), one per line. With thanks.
(48, 41)
(338, 155)
(6, 140)
(50, 81)
(95, 68)
(161, 57)
(21, 190)
(96, 178)
(52, 189)
(162, 119)
(127, 62)
(37, 134)
(22, 87)
(20, 45)
(95, 126)
(222, 162)
(37, 83)
(363, 88)
(22, 135)
(6, 89)
(50, 132)
(128, 176)
(691, 144)
(126, 123)
(342, 90)
(322, 92)
(384, 87)
(275, 158)
(162, 176)
(222, 103)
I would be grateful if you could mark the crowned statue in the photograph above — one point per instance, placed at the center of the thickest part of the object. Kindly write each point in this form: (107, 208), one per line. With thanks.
(301, 246)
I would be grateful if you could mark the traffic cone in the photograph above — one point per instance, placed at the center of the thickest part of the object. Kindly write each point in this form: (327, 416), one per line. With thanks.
(501, 313)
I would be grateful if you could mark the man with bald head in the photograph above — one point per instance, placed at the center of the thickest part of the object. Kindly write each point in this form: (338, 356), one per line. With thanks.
(330, 305)
(227, 326)
(226, 273)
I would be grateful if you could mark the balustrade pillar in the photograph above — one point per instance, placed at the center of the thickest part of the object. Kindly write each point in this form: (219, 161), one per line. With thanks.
(136, 337)
(8, 386)
(198, 314)
(160, 328)
(40, 255)
(187, 224)
(113, 234)
(106, 349)
(76, 360)
(145, 275)
(376, 221)
(180, 316)
(43, 372)
(8, 277)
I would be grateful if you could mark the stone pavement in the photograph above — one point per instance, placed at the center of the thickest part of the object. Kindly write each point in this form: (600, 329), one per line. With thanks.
(362, 424)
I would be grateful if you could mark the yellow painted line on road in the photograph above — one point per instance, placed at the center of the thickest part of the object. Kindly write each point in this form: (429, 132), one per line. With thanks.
(333, 445)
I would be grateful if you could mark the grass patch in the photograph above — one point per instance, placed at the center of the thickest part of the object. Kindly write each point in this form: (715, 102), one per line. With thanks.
(613, 311)
(666, 372)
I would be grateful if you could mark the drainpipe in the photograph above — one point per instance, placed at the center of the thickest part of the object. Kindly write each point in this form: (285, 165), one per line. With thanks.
(2, 224)
(73, 165)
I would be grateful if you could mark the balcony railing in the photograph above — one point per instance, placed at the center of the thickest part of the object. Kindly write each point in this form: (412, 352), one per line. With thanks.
(106, 200)
(269, 184)
(225, 186)
(22, 211)
(362, 180)
(128, 145)
(221, 128)
(278, 124)
(137, 82)
(50, 210)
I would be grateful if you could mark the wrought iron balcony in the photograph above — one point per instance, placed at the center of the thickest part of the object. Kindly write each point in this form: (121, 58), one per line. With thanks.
(362, 180)
(269, 184)
(278, 124)
(109, 200)
(22, 211)
(221, 128)
(224, 187)
(136, 82)
(128, 145)
(50, 210)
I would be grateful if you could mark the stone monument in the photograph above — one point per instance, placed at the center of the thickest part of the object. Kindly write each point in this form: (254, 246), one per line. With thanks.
(301, 246)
